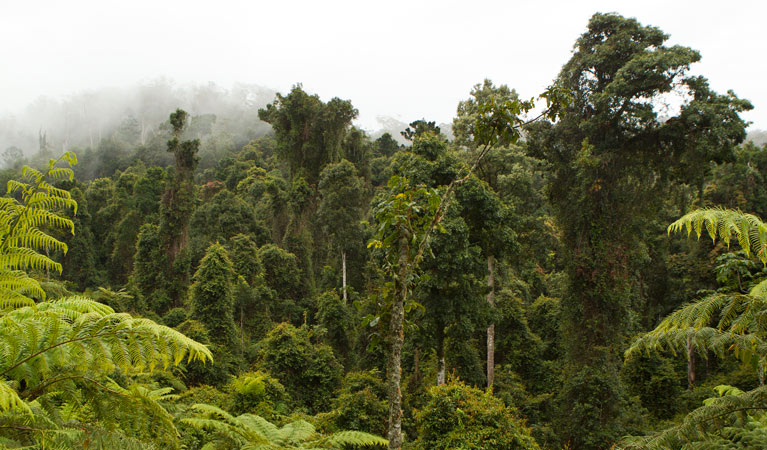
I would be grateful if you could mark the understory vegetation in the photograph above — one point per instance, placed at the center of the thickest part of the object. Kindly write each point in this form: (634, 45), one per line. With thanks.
(537, 275)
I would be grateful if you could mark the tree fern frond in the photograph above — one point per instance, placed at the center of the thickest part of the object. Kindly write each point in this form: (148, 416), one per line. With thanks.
(249, 431)
(260, 429)
(296, 431)
(356, 438)
(704, 422)
(10, 400)
(749, 230)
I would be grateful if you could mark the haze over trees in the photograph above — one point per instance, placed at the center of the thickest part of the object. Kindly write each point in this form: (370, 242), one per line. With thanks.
(256, 272)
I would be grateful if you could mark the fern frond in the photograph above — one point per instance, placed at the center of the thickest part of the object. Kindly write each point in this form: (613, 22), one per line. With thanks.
(296, 431)
(749, 230)
(249, 431)
(10, 400)
(356, 438)
(86, 335)
(260, 430)
(705, 422)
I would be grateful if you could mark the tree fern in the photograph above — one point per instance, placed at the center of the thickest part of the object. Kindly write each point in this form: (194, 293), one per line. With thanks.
(747, 229)
(252, 432)
(732, 421)
(723, 323)
(22, 225)
(54, 355)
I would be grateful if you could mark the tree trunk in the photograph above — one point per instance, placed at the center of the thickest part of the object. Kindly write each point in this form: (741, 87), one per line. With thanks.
(491, 328)
(690, 365)
(440, 355)
(417, 364)
(397, 335)
(343, 271)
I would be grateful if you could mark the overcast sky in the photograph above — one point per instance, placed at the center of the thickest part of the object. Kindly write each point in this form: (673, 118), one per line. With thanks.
(404, 59)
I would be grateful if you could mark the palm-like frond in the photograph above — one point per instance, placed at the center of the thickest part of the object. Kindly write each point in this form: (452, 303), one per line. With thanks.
(22, 234)
(54, 355)
(356, 438)
(713, 423)
(86, 337)
(748, 230)
(252, 432)
(722, 323)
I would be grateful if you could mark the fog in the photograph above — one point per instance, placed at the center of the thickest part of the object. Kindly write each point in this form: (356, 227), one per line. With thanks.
(74, 71)
(85, 118)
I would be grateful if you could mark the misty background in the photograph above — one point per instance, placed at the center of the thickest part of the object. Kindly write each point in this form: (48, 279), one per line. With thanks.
(81, 73)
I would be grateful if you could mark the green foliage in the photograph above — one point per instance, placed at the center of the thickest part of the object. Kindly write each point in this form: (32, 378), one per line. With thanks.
(333, 315)
(605, 146)
(21, 230)
(248, 431)
(309, 372)
(720, 323)
(258, 393)
(222, 217)
(309, 132)
(733, 420)
(460, 417)
(653, 379)
(57, 354)
(178, 203)
(211, 296)
(360, 404)
(341, 203)
(281, 273)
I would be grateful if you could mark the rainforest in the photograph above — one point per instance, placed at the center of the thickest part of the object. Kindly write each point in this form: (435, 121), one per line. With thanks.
(585, 268)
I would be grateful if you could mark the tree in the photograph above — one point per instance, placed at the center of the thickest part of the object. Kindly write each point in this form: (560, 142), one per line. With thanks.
(407, 215)
(418, 128)
(609, 156)
(310, 372)
(468, 110)
(459, 416)
(386, 145)
(309, 132)
(340, 209)
(177, 207)
(212, 299)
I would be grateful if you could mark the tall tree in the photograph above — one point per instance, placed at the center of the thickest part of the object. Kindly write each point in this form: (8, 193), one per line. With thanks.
(211, 296)
(341, 206)
(177, 206)
(309, 132)
(610, 154)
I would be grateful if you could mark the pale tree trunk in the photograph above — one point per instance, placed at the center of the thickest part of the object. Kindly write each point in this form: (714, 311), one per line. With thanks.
(397, 335)
(343, 271)
(491, 328)
(690, 364)
(440, 356)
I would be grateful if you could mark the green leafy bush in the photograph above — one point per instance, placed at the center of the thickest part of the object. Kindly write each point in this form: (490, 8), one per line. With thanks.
(310, 372)
(462, 417)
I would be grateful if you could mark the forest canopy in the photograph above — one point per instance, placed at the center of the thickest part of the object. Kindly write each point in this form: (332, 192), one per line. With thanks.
(264, 274)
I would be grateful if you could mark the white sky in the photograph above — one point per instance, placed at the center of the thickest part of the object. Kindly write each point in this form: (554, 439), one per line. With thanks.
(405, 59)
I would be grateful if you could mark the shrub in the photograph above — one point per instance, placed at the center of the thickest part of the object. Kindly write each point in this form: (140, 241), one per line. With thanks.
(462, 417)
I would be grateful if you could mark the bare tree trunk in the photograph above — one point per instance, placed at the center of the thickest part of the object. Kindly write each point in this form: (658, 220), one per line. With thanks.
(690, 364)
(440, 356)
(343, 270)
(491, 328)
(397, 334)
